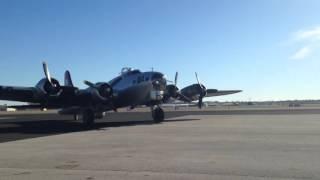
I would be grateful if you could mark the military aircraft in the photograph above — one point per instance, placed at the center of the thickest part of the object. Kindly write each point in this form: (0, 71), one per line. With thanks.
(130, 89)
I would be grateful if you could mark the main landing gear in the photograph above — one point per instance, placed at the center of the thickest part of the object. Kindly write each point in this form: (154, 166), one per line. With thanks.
(76, 117)
(88, 117)
(157, 114)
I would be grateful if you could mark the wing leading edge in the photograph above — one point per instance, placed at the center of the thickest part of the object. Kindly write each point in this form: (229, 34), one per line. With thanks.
(22, 94)
(214, 92)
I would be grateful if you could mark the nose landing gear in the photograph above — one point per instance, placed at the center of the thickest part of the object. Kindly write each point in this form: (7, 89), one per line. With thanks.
(88, 118)
(157, 114)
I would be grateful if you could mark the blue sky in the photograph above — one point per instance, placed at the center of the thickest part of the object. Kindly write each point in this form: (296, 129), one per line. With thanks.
(267, 48)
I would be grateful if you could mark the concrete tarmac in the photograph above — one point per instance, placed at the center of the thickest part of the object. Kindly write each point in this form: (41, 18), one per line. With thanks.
(255, 144)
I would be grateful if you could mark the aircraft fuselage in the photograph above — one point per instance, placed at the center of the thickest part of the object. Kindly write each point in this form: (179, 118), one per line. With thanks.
(138, 88)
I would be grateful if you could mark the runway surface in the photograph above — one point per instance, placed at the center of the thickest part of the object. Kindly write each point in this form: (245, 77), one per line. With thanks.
(29, 124)
(226, 144)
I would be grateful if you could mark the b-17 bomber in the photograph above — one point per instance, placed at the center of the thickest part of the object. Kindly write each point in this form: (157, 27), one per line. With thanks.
(131, 88)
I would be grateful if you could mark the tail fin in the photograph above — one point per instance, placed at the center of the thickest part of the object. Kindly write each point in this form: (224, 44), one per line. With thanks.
(67, 79)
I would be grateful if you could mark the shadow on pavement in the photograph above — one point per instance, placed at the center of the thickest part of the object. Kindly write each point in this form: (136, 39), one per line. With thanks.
(31, 126)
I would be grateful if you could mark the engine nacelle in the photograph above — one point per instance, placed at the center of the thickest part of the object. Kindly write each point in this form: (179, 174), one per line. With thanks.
(104, 89)
(171, 91)
(194, 91)
(48, 88)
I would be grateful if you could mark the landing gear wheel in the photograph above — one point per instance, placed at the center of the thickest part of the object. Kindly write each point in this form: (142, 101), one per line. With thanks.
(76, 117)
(88, 118)
(157, 115)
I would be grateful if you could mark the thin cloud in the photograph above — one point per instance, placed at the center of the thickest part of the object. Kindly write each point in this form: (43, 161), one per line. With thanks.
(301, 53)
(308, 40)
(309, 35)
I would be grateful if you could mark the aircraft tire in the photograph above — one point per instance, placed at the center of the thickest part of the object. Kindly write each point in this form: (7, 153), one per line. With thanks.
(158, 115)
(76, 117)
(88, 118)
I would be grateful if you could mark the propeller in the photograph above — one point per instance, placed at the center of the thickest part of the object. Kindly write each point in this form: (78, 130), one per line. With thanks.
(95, 90)
(90, 84)
(197, 78)
(49, 84)
(176, 79)
(203, 92)
(172, 88)
(103, 90)
(174, 92)
(46, 72)
(176, 89)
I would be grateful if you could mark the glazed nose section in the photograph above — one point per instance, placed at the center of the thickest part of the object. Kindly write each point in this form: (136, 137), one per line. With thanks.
(158, 81)
(156, 84)
(157, 91)
(158, 88)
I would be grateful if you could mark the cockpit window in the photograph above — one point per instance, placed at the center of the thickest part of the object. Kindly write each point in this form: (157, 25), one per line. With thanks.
(115, 81)
(157, 76)
(140, 79)
(133, 72)
(129, 71)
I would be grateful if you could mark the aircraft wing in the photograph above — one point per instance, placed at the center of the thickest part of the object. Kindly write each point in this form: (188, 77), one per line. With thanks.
(214, 92)
(48, 93)
(22, 94)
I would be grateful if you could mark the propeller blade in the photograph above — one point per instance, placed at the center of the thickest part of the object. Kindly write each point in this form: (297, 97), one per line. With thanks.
(183, 97)
(203, 91)
(90, 84)
(46, 72)
(176, 79)
(197, 78)
(200, 102)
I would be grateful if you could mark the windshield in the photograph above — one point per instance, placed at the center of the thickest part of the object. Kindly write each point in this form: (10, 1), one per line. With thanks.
(157, 76)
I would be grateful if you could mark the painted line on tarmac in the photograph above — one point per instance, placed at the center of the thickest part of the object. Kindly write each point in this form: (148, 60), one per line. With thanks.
(8, 118)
